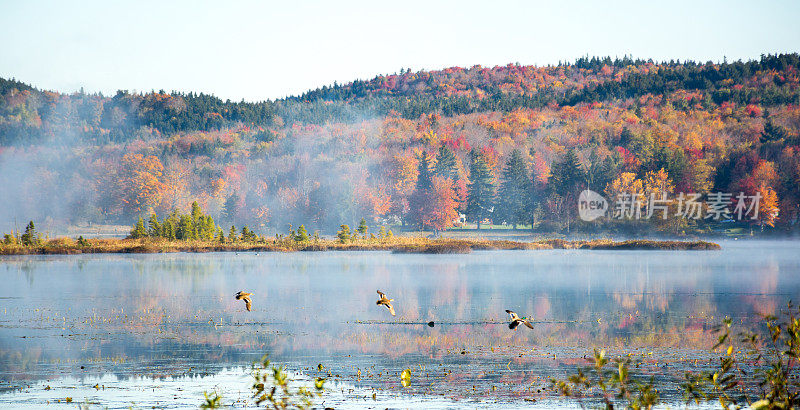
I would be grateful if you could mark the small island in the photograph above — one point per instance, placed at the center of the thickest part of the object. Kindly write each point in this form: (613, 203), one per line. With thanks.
(197, 232)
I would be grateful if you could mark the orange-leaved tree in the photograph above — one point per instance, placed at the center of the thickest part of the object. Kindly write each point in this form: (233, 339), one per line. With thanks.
(140, 183)
(442, 209)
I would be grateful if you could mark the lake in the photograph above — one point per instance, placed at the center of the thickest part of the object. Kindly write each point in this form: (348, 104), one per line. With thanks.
(160, 329)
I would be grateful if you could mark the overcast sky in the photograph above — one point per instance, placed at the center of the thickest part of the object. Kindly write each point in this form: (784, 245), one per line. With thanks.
(257, 50)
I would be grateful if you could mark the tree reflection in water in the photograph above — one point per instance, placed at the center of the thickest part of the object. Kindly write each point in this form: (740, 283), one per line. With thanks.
(173, 314)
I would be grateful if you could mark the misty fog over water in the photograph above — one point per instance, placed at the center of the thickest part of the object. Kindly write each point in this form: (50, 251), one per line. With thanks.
(67, 321)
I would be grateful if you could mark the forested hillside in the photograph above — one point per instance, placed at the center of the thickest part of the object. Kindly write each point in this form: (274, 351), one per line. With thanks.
(510, 144)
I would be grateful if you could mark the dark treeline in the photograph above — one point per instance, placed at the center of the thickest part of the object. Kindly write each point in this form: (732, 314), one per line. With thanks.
(29, 115)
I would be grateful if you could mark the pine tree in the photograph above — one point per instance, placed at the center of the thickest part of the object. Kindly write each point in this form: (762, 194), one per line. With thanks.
(196, 211)
(362, 228)
(772, 132)
(533, 197)
(512, 201)
(424, 177)
(446, 163)
(137, 232)
(169, 230)
(419, 202)
(186, 229)
(567, 179)
(232, 234)
(567, 176)
(248, 235)
(301, 235)
(154, 226)
(343, 233)
(9, 239)
(31, 238)
(480, 194)
(230, 208)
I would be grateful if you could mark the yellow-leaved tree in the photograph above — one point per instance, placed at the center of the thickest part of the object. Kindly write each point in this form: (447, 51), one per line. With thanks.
(768, 207)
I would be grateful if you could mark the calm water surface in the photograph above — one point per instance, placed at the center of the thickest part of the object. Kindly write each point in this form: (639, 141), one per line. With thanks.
(158, 330)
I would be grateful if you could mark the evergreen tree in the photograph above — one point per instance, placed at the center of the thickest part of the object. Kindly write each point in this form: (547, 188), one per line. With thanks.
(196, 211)
(480, 193)
(424, 182)
(186, 228)
(137, 232)
(169, 229)
(567, 176)
(446, 163)
(772, 132)
(512, 199)
(232, 234)
(600, 173)
(230, 208)
(533, 197)
(206, 228)
(154, 226)
(220, 236)
(31, 238)
(301, 235)
(343, 233)
(567, 179)
(362, 228)
(248, 235)
(419, 202)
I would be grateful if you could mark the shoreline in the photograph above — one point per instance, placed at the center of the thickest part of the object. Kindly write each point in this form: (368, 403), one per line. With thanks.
(66, 246)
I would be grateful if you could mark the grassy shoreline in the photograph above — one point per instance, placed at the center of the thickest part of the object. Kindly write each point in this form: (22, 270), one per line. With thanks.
(397, 244)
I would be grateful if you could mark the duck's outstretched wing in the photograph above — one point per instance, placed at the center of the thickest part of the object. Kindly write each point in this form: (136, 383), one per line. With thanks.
(248, 303)
(381, 294)
(391, 308)
(513, 325)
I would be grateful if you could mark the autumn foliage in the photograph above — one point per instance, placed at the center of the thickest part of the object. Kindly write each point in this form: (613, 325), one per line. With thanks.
(510, 145)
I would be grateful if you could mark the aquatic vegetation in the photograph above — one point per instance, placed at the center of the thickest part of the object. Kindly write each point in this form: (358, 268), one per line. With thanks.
(405, 378)
(759, 371)
(613, 380)
(777, 373)
(213, 401)
(272, 385)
